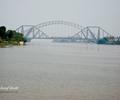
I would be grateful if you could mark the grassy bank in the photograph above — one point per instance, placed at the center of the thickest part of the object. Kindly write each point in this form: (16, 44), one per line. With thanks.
(4, 44)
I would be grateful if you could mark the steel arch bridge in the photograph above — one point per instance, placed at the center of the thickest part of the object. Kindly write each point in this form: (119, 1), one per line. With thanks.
(85, 34)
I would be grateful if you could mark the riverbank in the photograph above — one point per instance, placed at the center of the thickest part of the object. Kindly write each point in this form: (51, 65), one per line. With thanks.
(10, 37)
(5, 44)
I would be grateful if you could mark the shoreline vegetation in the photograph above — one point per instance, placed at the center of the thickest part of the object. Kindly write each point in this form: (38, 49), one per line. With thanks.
(109, 40)
(10, 38)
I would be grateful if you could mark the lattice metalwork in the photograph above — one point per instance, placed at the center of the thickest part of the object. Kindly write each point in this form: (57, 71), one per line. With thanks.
(89, 33)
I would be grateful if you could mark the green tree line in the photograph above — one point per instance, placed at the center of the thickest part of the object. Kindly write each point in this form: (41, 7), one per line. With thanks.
(10, 36)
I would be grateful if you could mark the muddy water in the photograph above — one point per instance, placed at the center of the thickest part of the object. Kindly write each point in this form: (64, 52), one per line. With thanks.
(59, 71)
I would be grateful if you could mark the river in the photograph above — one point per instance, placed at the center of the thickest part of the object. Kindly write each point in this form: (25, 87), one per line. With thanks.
(44, 70)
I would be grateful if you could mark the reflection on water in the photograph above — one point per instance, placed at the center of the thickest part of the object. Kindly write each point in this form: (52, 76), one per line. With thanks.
(61, 71)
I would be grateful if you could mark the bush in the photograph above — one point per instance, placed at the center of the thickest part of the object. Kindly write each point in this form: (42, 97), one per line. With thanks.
(102, 41)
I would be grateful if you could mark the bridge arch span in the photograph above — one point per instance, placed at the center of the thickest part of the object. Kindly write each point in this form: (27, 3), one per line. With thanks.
(88, 33)
(55, 22)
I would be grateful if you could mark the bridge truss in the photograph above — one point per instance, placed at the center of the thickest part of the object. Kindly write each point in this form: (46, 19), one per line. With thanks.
(88, 34)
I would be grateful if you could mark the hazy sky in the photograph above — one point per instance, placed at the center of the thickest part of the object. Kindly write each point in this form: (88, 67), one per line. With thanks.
(104, 13)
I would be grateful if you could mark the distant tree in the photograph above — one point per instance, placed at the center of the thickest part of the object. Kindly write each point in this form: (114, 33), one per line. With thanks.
(10, 34)
(14, 36)
(102, 40)
(18, 37)
(2, 32)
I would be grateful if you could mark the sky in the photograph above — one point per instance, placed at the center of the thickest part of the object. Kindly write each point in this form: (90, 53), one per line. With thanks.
(104, 13)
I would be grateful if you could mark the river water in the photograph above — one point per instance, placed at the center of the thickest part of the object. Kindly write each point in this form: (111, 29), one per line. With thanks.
(60, 71)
